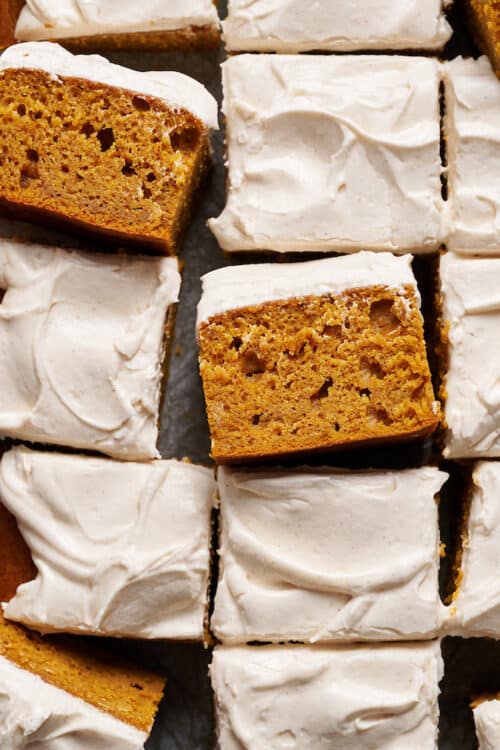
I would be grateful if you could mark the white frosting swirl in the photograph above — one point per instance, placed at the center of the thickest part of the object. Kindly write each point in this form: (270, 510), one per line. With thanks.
(81, 337)
(306, 698)
(58, 19)
(235, 287)
(176, 89)
(476, 611)
(470, 289)
(34, 714)
(308, 555)
(120, 549)
(333, 153)
(487, 721)
(472, 129)
(293, 26)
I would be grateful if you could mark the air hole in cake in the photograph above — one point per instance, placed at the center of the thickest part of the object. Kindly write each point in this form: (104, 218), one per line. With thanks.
(378, 415)
(147, 192)
(333, 331)
(65, 169)
(38, 114)
(419, 392)
(323, 391)
(256, 418)
(184, 140)
(140, 104)
(29, 172)
(128, 169)
(251, 363)
(337, 427)
(33, 155)
(371, 367)
(137, 686)
(151, 177)
(21, 110)
(236, 343)
(365, 392)
(106, 138)
(87, 129)
(382, 317)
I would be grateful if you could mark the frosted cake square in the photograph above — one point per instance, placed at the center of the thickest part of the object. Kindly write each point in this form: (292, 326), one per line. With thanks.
(471, 126)
(333, 153)
(119, 549)
(487, 722)
(290, 26)
(82, 343)
(321, 355)
(343, 698)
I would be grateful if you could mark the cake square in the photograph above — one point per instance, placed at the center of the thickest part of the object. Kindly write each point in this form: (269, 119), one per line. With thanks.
(82, 343)
(327, 555)
(344, 698)
(475, 610)
(289, 26)
(322, 355)
(119, 549)
(103, 24)
(99, 148)
(485, 21)
(470, 320)
(487, 722)
(333, 153)
(472, 124)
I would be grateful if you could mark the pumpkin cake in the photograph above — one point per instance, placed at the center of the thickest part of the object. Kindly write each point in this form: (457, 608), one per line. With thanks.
(83, 338)
(380, 697)
(335, 153)
(471, 127)
(487, 722)
(107, 24)
(60, 692)
(370, 575)
(145, 576)
(475, 610)
(485, 21)
(302, 357)
(96, 147)
(351, 25)
(470, 312)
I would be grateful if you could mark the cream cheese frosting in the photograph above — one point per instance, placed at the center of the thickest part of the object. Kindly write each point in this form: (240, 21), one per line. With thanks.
(487, 721)
(177, 90)
(470, 290)
(323, 555)
(82, 340)
(476, 608)
(34, 714)
(59, 19)
(234, 287)
(293, 26)
(472, 131)
(306, 698)
(333, 153)
(120, 549)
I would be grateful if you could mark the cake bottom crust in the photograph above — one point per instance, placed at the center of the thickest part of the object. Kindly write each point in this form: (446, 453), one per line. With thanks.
(316, 373)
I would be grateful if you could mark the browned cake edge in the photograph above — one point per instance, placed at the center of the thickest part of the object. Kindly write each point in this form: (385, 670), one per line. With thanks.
(86, 670)
(9, 13)
(178, 40)
(462, 539)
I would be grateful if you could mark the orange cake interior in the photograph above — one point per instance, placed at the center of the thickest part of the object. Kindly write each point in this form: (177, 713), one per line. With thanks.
(127, 692)
(485, 19)
(9, 13)
(319, 372)
(98, 157)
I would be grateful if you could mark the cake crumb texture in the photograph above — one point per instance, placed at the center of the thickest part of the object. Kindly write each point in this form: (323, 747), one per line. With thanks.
(485, 16)
(316, 372)
(102, 158)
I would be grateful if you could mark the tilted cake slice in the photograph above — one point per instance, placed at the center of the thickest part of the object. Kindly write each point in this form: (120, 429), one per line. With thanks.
(350, 25)
(119, 549)
(344, 698)
(335, 152)
(59, 692)
(107, 24)
(94, 146)
(470, 302)
(475, 609)
(327, 555)
(83, 340)
(303, 357)
(471, 128)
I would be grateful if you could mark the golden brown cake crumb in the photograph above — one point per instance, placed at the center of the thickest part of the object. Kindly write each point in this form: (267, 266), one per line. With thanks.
(485, 20)
(103, 159)
(314, 373)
